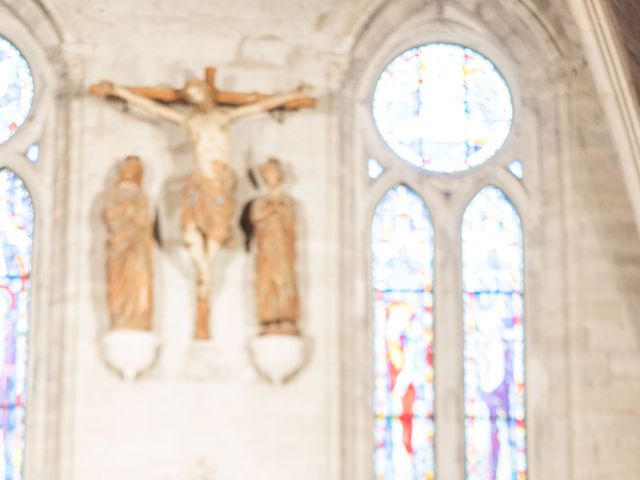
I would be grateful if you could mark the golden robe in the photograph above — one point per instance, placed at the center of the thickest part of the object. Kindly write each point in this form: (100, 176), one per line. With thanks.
(273, 218)
(129, 258)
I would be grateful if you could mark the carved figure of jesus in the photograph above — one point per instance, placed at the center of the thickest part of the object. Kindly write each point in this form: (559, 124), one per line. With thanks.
(209, 200)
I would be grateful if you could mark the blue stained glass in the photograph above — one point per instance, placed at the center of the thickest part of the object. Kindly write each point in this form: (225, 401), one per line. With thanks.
(374, 168)
(517, 169)
(33, 153)
(16, 89)
(16, 230)
(402, 271)
(494, 367)
(442, 107)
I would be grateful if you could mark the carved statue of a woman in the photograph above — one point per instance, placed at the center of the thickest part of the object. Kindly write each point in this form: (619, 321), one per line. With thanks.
(129, 250)
(271, 218)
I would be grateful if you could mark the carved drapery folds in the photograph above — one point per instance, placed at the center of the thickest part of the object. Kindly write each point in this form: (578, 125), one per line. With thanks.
(129, 250)
(272, 222)
(278, 351)
(130, 346)
(209, 205)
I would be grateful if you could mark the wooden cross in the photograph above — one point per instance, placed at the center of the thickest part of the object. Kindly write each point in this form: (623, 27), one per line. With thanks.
(172, 95)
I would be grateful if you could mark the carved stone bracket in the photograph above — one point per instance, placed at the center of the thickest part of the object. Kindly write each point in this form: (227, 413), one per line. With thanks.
(130, 352)
(278, 357)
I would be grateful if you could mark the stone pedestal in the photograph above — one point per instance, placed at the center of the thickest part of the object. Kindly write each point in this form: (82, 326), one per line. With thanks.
(130, 352)
(278, 357)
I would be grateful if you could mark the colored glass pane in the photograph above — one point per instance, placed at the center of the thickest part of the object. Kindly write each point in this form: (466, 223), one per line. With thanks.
(16, 89)
(33, 153)
(517, 169)
(375, 168)
(494, 370)
(16, 229)
(402, 270)
(442, 107)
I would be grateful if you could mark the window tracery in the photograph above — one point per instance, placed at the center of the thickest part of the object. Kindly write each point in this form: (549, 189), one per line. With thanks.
(445, 108)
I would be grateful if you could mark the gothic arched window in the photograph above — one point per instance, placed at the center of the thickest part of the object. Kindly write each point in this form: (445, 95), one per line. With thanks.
(16, 232)
(493, 293)
(16, 89)
(402, 278)
(447, 110)
(442, 107)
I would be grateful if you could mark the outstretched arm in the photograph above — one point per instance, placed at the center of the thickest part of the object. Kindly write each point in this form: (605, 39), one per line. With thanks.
(270, 103)
(107, 89)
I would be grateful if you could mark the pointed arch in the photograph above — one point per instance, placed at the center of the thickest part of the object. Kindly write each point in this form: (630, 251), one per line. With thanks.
(16, 237)
(402, 250)
(48, 42)
(493, 313)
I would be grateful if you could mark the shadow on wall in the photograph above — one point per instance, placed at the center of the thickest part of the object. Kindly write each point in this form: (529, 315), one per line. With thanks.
(606, 212)
(98, 258)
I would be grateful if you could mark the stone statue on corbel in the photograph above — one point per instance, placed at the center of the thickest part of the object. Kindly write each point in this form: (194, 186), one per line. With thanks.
(130, 345)
(269, 221)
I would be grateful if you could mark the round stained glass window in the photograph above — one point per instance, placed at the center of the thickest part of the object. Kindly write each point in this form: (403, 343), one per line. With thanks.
(16, 89)
(443, 107)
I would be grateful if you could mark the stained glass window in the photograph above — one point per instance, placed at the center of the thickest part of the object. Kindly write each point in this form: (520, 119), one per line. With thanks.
(517, 169)
(33, 153)
(16, 229)
(492, 262)
(374, 168)
(442, 107)
(16, 89)
(402, 269)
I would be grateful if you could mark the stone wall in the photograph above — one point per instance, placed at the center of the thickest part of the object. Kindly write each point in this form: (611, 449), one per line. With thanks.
(605, 331)
(227, 423)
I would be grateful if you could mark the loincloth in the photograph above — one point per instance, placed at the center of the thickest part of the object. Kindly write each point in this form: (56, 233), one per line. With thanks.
(209, 203)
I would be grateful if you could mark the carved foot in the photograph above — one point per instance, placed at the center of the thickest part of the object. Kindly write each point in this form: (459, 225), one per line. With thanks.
(202, 320)
(130, 352)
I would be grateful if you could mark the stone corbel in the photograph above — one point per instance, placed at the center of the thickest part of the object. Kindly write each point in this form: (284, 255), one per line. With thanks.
(278, 357)
(130, 352)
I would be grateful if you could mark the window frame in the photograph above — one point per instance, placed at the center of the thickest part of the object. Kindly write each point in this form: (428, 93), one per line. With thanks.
(402, 27)
(34, 32)
(371, 303)
(523, 250)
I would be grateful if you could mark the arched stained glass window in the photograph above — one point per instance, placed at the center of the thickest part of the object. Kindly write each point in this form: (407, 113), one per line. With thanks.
(442, 107)
(16, 230)
(16, 89)
(402, 269)
(493, 282)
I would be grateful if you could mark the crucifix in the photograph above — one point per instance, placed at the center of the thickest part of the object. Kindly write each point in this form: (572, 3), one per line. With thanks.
(209, 193)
